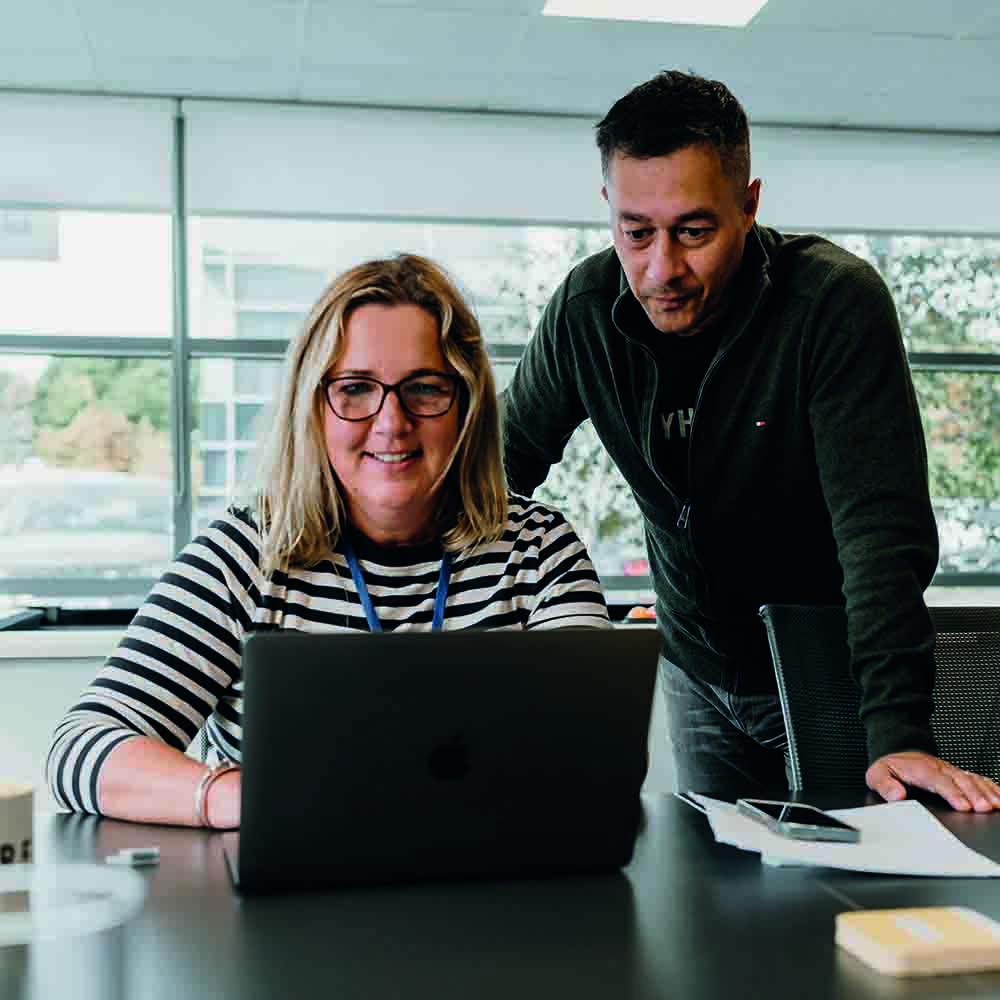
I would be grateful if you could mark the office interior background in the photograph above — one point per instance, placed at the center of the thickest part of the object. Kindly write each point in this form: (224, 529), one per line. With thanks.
(178, 182)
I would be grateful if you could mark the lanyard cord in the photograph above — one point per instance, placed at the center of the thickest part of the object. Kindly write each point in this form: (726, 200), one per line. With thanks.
(374, 625)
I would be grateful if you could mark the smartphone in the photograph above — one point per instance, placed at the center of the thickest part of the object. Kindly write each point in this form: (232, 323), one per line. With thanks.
(798, 821)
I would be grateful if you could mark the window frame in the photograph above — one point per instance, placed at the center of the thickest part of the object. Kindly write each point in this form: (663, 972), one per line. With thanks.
(182, 350)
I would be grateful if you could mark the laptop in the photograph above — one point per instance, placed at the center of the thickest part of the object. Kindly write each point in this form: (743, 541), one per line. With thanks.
(418, 756)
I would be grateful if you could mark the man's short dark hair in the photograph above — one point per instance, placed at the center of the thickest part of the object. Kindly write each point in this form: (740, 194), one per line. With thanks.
(675, 110)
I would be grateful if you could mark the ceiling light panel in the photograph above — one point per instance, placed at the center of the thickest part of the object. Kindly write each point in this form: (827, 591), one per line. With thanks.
(723, 13)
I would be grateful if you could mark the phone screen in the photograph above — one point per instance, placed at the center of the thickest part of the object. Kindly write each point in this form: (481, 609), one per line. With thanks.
(794, 812)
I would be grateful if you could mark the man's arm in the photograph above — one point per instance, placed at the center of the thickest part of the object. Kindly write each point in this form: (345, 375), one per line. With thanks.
(541, 407)
(872, 462)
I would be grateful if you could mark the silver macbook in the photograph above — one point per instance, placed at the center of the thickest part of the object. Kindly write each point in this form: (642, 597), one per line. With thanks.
(413, 756)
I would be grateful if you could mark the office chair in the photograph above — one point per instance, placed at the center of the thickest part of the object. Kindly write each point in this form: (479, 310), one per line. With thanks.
(820, 699)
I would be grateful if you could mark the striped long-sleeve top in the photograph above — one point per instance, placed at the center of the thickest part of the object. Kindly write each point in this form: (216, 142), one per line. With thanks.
(177, 667)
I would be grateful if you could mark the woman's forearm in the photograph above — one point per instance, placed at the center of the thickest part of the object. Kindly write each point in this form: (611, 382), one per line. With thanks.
(146, 781)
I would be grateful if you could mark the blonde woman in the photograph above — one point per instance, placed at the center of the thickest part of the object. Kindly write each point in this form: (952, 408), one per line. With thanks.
(381, 504)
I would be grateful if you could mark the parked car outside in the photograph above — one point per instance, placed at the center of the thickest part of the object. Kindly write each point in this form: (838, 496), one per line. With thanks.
(80, 524)
(969, 531)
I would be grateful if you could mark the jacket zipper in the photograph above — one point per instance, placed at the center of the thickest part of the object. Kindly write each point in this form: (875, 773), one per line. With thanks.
(685, 516)
(638, 441)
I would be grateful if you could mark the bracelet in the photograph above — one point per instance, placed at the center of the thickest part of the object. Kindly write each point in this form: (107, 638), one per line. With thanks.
(201, 791)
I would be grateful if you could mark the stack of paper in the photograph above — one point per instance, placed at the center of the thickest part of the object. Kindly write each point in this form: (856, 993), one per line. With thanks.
(898, 838)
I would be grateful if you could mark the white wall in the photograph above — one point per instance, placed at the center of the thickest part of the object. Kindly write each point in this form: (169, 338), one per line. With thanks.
(35, 694)
(269, 159)
(319, 161)
(85, 152)
(823, 179)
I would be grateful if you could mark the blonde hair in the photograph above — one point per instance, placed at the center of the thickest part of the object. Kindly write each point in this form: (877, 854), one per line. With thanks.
(300, 511)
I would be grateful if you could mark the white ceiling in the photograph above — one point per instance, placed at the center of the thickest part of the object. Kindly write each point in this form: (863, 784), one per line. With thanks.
(915, 64)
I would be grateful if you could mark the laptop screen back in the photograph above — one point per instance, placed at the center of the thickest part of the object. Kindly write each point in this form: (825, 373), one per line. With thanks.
(425, 755)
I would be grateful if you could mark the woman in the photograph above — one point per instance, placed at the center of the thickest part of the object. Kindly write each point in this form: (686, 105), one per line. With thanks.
(381, 504)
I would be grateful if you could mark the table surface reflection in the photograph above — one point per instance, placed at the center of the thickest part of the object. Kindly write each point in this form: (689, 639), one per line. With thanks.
(687, 918)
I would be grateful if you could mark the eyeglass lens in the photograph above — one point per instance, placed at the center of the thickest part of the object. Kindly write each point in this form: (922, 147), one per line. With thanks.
(421, 395)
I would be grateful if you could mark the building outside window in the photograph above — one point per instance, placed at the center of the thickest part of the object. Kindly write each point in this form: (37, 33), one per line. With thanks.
(86, 429)
(85, 450)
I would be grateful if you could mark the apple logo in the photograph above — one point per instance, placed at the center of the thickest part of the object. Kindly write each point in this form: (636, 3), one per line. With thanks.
(449, 761)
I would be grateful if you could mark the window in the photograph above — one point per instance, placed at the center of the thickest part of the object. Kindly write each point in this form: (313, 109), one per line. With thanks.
(29, 235)
(262, 324)
(236, 394)
(243, 458)
(266, 283)
(214, 472)
(91, 363)
(508, 273)
(86, 493)
(256, 378)
(213, 422)
(110, 276)
(947, 294)
(247, 415)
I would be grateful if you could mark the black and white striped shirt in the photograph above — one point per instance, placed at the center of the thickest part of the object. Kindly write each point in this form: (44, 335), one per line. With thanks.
(177, 667)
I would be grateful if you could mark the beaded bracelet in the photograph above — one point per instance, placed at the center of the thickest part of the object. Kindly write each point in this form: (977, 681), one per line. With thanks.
(201, 791)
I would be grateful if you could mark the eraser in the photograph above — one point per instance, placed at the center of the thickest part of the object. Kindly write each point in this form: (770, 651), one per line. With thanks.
(928, 940)
(134, 856)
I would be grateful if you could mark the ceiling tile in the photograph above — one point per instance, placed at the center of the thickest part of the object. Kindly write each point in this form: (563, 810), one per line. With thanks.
(925, 115)
(897, 63)
(474, 6)
(910, 17)
(639, 49)
(566, 46)
(589, 95)
(407, 37)
(831, 70)
(381, 85)
(971, 92)
(399, 86)
(987, 25)
(222, 30)
(47, 71)
(200, 78)
(42, 26)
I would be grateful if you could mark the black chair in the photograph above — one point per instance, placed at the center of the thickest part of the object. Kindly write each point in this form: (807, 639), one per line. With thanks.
(820, 699)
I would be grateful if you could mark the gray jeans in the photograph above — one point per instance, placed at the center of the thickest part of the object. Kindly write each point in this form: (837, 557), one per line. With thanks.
(723, 744)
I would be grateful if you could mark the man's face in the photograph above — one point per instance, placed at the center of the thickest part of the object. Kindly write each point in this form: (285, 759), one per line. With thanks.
(679, 225)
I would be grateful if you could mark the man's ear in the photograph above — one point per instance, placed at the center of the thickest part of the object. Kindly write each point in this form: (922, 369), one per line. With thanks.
(751, 202)
(604, 191)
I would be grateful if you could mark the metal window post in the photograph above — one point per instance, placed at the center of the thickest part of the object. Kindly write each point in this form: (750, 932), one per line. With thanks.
(180, 375)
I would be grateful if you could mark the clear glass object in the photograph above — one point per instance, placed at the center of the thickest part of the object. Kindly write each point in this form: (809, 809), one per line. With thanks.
(62, 930)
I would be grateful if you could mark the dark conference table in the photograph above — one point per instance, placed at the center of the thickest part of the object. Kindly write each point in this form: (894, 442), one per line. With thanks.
(688, 918)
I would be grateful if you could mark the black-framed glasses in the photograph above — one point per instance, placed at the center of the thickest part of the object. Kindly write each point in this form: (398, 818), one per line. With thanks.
(357, 397)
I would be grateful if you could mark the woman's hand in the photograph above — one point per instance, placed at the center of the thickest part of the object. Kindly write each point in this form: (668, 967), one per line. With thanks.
(146, 781)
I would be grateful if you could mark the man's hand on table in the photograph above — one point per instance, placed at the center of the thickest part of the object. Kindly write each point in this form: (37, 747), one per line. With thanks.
(962, 790)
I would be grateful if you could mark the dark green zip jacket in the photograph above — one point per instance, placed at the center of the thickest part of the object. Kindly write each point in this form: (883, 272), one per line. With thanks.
(807, 467)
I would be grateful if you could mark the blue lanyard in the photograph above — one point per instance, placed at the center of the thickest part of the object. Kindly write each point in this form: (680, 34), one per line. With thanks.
(374, 624)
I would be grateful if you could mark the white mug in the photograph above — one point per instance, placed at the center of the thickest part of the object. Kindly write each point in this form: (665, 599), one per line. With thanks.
(16, 804)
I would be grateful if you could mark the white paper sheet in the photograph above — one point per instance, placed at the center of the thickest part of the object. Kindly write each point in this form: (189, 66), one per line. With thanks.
(897, 838)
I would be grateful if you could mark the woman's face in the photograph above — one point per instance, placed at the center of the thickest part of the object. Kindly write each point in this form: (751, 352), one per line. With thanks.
(387, 464)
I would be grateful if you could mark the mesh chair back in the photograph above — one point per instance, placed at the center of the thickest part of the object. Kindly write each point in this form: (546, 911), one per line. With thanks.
(827, 746)
(966, 719)
(820, 699)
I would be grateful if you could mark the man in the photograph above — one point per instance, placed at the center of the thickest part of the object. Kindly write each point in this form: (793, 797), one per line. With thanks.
(753, 390)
